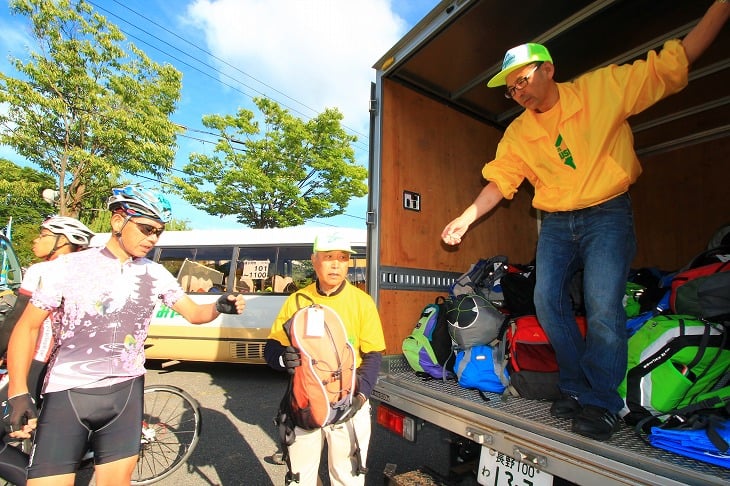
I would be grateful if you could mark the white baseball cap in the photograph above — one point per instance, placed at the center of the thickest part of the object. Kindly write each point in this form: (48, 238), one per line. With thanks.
(332, 242)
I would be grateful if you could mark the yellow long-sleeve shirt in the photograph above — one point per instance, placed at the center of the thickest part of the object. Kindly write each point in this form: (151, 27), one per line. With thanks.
(356, 309)
(580, 153)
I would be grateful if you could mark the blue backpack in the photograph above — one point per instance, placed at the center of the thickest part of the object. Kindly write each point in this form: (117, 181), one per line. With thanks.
(475, 368)
(428, 348)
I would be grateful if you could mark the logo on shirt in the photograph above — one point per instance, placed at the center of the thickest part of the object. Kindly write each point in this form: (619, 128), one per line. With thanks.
(564, 152)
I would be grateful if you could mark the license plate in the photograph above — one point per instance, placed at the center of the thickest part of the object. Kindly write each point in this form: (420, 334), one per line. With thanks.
(497, 469)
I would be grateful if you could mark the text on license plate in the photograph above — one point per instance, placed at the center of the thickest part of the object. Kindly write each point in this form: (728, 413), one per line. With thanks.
(498, 469)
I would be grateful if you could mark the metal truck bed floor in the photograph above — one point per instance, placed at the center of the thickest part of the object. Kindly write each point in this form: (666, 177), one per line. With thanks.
(534, 416)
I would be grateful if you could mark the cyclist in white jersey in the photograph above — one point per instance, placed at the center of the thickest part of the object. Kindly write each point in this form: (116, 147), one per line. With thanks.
(92, 397)
(58, 236)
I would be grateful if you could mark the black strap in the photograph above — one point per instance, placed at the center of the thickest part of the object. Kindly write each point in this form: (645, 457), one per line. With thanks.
(301, 295)
(700, 354)
(285, 427)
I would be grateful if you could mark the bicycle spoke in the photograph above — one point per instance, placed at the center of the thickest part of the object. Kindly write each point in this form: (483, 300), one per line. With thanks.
(171, 430)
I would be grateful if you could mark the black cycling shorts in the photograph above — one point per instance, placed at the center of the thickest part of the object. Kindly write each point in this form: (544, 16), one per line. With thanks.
(107, 420)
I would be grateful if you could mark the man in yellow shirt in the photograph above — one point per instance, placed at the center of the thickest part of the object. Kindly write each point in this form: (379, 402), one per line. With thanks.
(574, 145)
(347, 442)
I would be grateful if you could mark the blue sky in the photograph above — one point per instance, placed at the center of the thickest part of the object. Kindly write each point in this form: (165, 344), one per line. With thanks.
(308, 55)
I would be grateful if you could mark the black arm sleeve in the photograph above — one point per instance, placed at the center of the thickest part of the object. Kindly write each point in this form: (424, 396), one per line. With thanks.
(272, 352)
(10, 320)
(367, 373)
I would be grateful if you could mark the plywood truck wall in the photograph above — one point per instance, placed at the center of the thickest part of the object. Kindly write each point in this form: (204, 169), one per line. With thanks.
(437, 152)
(680, 200)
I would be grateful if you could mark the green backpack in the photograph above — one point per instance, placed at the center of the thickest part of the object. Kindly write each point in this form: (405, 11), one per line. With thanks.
(428, 349)
(675, 361)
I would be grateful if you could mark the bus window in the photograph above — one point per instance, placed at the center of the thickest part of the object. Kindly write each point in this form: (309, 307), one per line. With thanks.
(199, 269)
(274, 269)
(265, 264)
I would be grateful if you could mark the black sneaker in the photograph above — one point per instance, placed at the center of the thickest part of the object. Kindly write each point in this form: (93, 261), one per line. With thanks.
(596, 423)
(566, 407)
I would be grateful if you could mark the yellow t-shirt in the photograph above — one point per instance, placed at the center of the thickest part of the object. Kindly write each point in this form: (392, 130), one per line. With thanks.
(591, 159)
(355, 307)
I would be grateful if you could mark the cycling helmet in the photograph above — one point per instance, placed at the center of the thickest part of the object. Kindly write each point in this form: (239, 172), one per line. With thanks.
(135, 201)
(74, 230)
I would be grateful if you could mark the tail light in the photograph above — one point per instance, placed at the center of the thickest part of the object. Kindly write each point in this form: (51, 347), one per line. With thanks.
(397, 422)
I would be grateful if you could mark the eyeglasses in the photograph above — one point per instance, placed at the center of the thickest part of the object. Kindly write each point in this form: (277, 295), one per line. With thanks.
(148, 229)
(340, 257)
(521, 83)
(44, 235)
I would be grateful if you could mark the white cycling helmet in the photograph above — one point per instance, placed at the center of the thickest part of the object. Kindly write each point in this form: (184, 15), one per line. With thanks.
(135, 201)
(74, 230)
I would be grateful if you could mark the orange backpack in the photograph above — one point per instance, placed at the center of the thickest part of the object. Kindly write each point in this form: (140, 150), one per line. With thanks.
(321, 389)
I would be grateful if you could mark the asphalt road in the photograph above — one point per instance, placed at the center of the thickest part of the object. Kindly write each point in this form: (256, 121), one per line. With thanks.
(238, 438)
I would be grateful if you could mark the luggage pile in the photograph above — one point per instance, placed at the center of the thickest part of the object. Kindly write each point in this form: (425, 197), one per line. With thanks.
(677, 386)
(678, 370)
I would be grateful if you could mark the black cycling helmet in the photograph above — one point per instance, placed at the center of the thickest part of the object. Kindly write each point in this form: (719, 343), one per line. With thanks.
(138, 202)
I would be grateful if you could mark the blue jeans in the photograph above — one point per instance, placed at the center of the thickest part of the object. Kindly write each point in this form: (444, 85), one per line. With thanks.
(601, 240)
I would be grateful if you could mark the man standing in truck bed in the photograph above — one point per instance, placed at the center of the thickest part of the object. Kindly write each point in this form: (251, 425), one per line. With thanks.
(574, 145)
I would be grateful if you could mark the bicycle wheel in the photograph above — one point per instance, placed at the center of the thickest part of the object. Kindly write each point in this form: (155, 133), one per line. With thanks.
(170, 431)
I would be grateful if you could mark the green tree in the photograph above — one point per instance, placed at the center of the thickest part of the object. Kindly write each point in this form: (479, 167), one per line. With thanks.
(20, 199)
(280, 175)
(20, 194)
(87, 106)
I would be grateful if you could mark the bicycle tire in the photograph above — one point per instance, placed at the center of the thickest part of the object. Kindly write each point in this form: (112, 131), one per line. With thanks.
(171, 427)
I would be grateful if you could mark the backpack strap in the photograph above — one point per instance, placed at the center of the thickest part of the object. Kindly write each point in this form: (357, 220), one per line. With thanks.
(285, 427)
(499, 356)
(700, 354)
(358, 464)
(284, 419)
(299, 296)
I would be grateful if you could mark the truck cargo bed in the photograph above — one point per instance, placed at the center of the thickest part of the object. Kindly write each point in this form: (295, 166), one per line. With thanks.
(525, 429)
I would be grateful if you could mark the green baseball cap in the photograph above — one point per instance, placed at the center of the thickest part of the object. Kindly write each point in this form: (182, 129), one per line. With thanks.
(518, 57)
(331, 242)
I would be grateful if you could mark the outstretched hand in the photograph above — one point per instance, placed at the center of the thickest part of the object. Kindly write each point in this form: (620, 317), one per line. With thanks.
(230, 304)
(452, 233)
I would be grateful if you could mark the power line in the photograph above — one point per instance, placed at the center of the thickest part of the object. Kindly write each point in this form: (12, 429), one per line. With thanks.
(207, 74)
(215, 69)
(208, 53)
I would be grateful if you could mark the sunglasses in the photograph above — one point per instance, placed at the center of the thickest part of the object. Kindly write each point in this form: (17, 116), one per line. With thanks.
(148, 229)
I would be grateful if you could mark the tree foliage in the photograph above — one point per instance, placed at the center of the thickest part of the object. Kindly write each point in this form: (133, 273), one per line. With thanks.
(85, 106)
(20, 194)
(21, 199)
(21, 203)
(275, 174)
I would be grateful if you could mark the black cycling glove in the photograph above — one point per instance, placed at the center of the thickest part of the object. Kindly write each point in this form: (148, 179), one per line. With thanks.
(17, 411)
(225, 306)
(291, 359)
(357, 402)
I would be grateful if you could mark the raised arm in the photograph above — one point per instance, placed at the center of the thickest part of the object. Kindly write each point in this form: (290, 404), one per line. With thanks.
(706, 30)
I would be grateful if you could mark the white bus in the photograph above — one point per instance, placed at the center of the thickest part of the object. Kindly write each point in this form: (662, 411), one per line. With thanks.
(264, 264)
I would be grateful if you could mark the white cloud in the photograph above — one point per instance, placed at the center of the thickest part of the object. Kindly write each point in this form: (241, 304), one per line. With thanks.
(318, 52)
